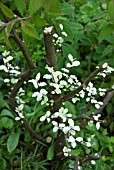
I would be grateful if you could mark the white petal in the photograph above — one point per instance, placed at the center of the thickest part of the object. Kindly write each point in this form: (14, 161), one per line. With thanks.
(79, 139)
(55, 129)
(70, 57)
(2, 67)
(98, 125)
(61, 26)
(42, 118)
(76, 63)
(38, 77)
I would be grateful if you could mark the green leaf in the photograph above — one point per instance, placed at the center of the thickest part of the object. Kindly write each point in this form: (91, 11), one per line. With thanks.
(21, 6)
(54, 8)
(6, 122)
(12, 141)
(28, 29)
(8, 12)
(2, 102)
(110, 149)
(34, 6)
(6, 112)
(46, 5)
(106, 32)
(108, 50)
(70, 107)
(76, 152)
(50, 153)
(67, 8)
(37, 20)
(95, 144)
(111, 9)
(109, 108)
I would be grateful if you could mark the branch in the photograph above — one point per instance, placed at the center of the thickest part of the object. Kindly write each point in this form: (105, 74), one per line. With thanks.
(13, 21)
(49, 47)
(106, 100)
(33, 133)
(71, 94)
(86, 158)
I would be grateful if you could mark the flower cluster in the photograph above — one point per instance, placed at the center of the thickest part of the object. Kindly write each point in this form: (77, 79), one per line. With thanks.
(58, 40)
(13, 71)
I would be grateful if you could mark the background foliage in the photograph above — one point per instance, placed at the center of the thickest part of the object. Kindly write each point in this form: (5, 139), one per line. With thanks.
(90, 29)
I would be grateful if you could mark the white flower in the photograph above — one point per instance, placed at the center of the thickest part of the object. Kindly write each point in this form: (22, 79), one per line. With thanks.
(35, 81)
(73, 62)
(79, 139)
(96, 117)
(98, 125)
(3, 67)
(66, 151)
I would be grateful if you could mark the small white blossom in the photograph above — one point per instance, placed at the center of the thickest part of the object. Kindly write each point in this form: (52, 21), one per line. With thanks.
(66, 151)
(96, 117)
(35, 81)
